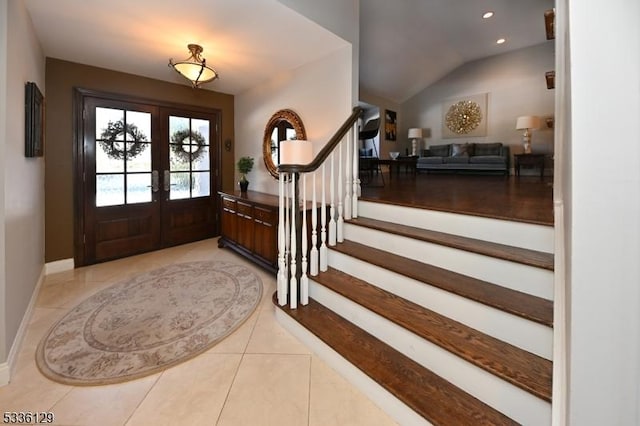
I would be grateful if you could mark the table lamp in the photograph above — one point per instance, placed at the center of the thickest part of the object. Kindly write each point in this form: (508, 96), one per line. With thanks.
(414, 135)
(527, 123)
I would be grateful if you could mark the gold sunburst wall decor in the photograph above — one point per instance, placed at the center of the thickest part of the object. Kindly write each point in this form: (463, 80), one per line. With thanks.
(465, 117)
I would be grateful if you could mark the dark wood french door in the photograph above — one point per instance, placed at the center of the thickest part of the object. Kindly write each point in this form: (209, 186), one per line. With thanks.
(147, 177)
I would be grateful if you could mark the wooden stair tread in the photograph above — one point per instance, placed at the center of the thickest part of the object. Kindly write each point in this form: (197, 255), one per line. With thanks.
(500, 251)
(429, 395)
(514, 302)
(517, 366)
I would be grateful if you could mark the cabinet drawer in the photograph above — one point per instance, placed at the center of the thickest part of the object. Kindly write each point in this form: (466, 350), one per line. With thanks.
(244, 209)
(228, 203)
(266, 216)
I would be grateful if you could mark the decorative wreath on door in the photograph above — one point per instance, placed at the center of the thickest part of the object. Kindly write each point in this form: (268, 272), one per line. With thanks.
(115, 149)
(188, 145)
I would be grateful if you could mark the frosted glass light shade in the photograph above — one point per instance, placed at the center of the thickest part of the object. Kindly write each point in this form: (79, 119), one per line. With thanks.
(296, 152)
(194, 68)
(415, 133)
(528, 122)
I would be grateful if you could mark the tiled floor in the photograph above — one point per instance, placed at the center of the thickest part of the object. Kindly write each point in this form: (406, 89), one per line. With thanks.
(260, 375)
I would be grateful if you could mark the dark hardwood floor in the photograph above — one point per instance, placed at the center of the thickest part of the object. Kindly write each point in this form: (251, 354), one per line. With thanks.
(524, 199)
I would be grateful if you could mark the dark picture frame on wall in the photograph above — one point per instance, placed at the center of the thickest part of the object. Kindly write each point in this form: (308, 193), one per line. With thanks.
(34, 121)
(390, 125)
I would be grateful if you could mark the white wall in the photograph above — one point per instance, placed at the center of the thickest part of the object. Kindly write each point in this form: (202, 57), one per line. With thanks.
(4, 4)
(341, 17)
(604, 193)
(23, 199)
(319, 92)
(516, 85)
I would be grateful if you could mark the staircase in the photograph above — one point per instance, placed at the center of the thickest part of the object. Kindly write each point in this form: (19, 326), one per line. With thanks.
(439, 318)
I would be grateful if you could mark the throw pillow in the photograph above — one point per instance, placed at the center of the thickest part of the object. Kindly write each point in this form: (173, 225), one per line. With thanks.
(459, 150)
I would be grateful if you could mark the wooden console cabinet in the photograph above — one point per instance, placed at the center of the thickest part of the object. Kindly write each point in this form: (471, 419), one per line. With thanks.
(249, 225)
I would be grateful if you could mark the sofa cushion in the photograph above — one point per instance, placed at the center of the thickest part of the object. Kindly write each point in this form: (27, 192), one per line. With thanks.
(460, 150)
(487, 159)
(488, 148)
(439, 150)
(430, 160)
(463, 159)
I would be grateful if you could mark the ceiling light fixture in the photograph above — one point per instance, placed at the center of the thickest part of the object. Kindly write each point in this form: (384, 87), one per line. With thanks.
(487, 15)
(194, 68)
(501, 40)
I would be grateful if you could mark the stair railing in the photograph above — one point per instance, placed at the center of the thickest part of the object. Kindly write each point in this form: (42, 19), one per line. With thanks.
(342, 189)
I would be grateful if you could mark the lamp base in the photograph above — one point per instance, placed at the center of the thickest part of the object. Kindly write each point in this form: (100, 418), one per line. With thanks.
(526, 141)
(414, 147)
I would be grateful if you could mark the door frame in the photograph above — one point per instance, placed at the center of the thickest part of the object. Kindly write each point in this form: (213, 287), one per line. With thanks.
(79, 95)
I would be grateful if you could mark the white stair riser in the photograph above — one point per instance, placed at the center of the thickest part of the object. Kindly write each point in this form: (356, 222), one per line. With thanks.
(517, 331)
(516, 276)
(517, 234)
(380, 396)
(499, 394)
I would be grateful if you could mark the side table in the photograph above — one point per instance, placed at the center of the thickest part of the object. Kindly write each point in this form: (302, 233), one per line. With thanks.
(529, 160)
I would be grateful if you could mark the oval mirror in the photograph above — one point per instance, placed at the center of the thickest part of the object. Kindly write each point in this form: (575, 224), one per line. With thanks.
(283, 125)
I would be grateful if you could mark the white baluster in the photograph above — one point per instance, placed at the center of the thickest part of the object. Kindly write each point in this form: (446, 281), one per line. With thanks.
(282, 272)
(293, 283)
(304, 280)
(287, 232)
(314, 231)
(356, 176)
(340, 221)
(323, 227)
(332, 208)
(348, 180)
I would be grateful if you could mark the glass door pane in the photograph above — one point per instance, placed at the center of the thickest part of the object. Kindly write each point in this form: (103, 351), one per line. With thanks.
(123, 157)
(189, 157)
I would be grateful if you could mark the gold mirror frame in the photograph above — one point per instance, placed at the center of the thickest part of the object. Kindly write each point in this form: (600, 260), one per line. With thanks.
(284, 115)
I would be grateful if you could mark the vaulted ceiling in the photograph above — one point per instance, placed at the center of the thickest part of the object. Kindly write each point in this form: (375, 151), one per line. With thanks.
(405, 44)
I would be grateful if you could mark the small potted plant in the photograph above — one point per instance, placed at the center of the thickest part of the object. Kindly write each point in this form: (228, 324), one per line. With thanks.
(245, 164)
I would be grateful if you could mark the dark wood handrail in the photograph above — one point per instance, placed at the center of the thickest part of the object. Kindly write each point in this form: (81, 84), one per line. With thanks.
(327, 149)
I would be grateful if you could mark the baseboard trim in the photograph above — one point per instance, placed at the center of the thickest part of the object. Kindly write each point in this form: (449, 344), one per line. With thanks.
(8, 368)
(59, 266)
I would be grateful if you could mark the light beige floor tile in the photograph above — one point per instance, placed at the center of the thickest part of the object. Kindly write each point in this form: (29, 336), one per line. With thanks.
(109, 405)
(269, 390)
(68, 294)
(334, 401)
(237, 342)
(29, 390)
(269, 336)
(42, 319)
(192, 393)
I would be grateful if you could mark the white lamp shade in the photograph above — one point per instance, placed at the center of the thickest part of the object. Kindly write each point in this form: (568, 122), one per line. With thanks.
(296, 152)
(415, 133)
(528, 122)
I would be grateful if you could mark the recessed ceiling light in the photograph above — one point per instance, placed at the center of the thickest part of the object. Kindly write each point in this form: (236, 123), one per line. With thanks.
(501, 40)
(487, 15)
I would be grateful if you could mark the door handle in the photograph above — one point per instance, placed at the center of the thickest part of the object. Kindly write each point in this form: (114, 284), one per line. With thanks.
(167, 181)
(155, 181)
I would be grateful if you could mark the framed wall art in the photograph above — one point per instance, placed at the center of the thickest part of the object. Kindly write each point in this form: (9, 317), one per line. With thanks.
(465, 116)
(390, 125)
(34, 121)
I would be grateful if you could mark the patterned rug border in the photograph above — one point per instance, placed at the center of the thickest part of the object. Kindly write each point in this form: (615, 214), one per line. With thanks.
(56, 377)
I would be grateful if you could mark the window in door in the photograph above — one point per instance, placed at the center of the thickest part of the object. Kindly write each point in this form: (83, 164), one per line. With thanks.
(189, 163)
(123, 157)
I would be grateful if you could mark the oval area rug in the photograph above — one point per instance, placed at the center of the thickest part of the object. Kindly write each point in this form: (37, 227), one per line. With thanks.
(149, 322)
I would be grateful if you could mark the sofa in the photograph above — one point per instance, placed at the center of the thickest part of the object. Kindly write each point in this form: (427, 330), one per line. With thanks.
(477, 157)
